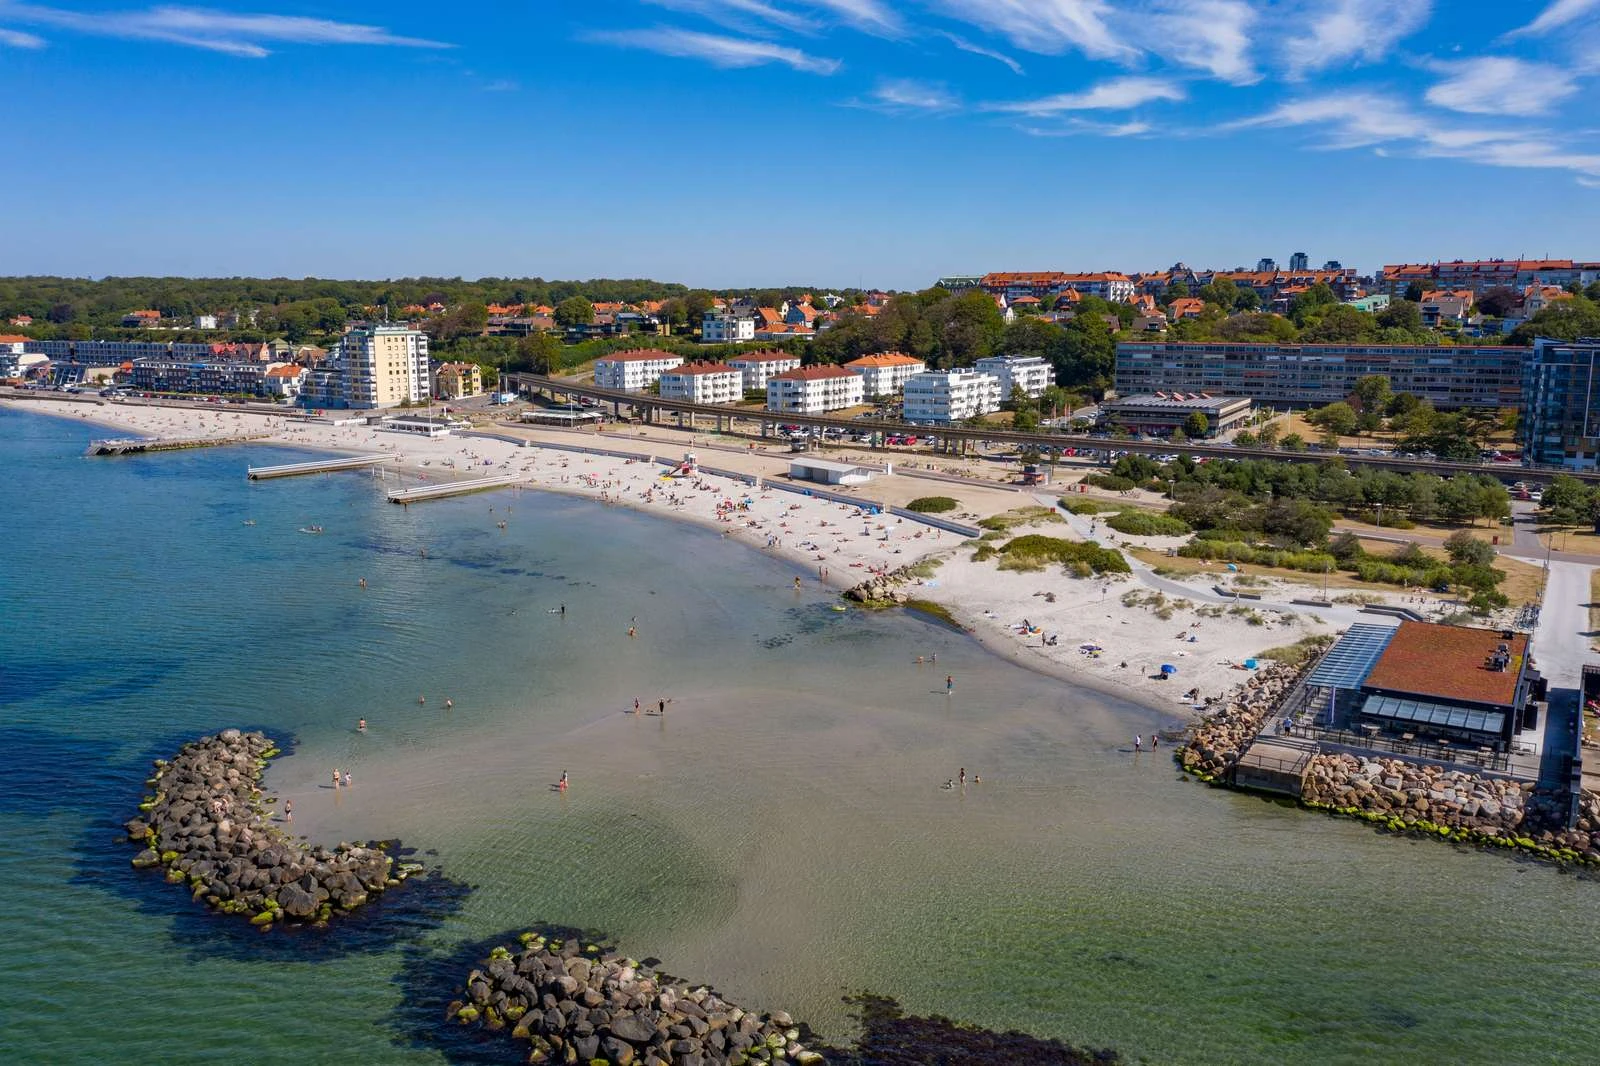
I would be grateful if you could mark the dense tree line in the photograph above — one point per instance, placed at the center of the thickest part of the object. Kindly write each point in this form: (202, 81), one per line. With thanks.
(100, 304)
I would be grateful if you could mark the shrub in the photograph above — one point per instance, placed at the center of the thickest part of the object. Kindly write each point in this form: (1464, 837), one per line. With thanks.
(1147, 524)
(1080, 506)
(1033, 552)
(1313, 562)
(1298, 653)
(1110, 482)
(932, 504)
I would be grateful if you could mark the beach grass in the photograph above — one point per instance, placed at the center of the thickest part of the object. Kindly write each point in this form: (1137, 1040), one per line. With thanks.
(1021, 516)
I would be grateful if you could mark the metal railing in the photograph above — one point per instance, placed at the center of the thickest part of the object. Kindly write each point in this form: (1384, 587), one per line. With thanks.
(1419, 747)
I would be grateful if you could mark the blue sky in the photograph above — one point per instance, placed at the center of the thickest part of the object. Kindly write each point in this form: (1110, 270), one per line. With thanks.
(756, 142)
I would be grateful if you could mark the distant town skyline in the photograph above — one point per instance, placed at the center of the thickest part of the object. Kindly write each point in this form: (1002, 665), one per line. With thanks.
(737, 143)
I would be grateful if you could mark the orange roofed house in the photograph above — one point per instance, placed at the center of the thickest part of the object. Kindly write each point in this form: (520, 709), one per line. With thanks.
(885, 373)
(1449, 692)
(634, 370)
(814, 390)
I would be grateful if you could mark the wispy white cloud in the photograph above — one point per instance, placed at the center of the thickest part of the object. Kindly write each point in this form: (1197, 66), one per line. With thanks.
(18, 39)
(216, 31)
(1364, 119)
(978, 50)
(1342, 31)
(1210, 35)
(1558, 14)
(717, 50)
(1500, 85)
(738, 14)
(1077, 127)
(873, 16)
(906, 95)
(502, 85)
(1117, 94)
(1046, 26)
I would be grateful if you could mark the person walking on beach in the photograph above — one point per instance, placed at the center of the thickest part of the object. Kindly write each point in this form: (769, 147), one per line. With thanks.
(563, 610)
(949, 684)
(562, 784)
(347, 779)
(661, 706)
(288, 810)
(1155, 741)
(1138, 743)
(636, 705)
(335, 777)
(963, 777)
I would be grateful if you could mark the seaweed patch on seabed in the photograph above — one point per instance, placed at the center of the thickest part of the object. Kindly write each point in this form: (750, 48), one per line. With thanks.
(890, 1037)
(428, 898)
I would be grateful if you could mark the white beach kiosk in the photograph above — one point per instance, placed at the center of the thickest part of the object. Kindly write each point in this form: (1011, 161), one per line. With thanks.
(828, 473)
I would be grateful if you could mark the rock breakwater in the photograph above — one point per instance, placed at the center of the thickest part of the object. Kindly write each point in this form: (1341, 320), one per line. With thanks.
(576, 1002)
(206, 822)
(1454, 805)
(1224, 734)
(882, 590)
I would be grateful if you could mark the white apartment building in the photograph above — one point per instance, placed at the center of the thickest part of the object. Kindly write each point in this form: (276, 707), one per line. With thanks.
(949, 396)
(205, 321)
(814, 390)
(385, 366)
(725, 327)
(703, 383)
(635, 370)
(1028, 372)
(758, 367)
(883, 374)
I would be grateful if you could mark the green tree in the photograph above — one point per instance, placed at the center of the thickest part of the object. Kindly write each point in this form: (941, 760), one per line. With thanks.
(1340, 324)
(1025, 413)
(1338, 419)
(1247, 299)
(574, 311)
(1373, 392)
(1317, 296)
(1294, 442)
(1565, 320)
(1177, 290)
(1221, 292)
(1087, 354)
(1401, 314)
(1465, 549)
(1499, 301)
(540, 353)
(1567, 502)
(1197, 426)
(1413, 292)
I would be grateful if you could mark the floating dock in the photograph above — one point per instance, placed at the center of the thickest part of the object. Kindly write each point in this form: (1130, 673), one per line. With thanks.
(319, 466)
(453, 488)
(131, 445)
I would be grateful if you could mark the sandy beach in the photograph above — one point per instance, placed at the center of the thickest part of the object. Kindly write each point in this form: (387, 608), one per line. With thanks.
(1086, 631)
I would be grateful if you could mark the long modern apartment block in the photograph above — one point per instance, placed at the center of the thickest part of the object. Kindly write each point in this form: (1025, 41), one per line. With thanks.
(1301, 375)
(1560, 423)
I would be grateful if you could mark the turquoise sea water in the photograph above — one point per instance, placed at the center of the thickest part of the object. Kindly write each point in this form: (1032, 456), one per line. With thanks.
(780, 833)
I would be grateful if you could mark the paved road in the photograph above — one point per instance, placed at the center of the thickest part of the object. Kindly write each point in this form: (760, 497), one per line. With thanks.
(1561, 643)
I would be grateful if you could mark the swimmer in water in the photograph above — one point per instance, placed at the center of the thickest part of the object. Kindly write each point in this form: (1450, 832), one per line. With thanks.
(449, 703)
(361, 725)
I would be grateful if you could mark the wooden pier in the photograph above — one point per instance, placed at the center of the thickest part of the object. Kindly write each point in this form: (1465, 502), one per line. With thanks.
(452, 488)
(132, 445)
(317, 466)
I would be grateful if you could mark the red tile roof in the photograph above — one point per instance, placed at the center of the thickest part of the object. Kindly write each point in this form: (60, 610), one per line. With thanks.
(813, 373)
(12, 338)
(885, 359)
(701, 368)
(1449, 663)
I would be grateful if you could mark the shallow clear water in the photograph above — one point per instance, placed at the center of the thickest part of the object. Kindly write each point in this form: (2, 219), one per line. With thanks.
(780, 833)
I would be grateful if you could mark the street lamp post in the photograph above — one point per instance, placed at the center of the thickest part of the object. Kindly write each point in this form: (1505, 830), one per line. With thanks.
(1380, 516)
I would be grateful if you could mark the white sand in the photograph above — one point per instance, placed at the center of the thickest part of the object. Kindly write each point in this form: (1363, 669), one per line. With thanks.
(830, 541)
